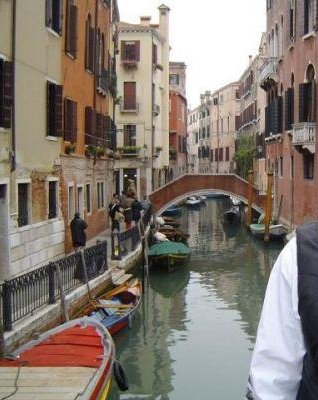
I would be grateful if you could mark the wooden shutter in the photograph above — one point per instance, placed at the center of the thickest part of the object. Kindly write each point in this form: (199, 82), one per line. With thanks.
(74, 122)
(211, 155)
(227, 153)
(123, 50)
(91, 49)
(303, 103)
(237, 122)
(129, 95)
(48, 13)
(89, 114)
(306, 16)
(216, 155)
(99, 126)
(7, 93)
(71, 30)
(60, 20)
(67, 120)
(137, 50)
(58, 110)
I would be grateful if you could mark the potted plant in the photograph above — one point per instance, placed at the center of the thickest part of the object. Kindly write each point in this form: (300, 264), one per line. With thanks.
(70, 148)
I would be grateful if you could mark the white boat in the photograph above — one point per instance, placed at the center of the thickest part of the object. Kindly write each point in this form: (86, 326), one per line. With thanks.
(235, 201)
(202, 198)
(276, 231)
(193, 201)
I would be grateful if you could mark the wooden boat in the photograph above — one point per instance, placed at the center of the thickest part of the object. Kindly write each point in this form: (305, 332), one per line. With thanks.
(116, 308)
(118, 277)
(232, 215)
(72, 361)
(276, 231)
(169, 255)
(193, 202)
(173, 210)
(171, 221)
(174, 234)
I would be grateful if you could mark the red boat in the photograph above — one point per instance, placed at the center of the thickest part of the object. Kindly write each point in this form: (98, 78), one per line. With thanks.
(72, 361)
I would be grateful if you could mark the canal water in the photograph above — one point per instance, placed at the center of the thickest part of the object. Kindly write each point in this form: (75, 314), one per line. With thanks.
(193, 335)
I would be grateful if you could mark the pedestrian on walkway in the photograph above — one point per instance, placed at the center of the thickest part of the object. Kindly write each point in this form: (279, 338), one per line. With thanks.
(136, 208)
(78, 226)
(115, 213)
(284, 364)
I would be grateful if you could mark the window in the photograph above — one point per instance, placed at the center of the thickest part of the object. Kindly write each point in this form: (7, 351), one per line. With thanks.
(71, 202)
(129, 135)
(54, 109)
(6, 93)
(71, 28)
(52, 199)
(130, 96)
(100, 195)
(70, 120)
(291, 167)
(89, 45)
(130, 50)
(53, 15)
(221, 154)
(154, 54)
(89, 121)
(292, 20)
(289, 108)
(307, 97)
(227, 154)
(309, 16)
(308, 162)
(88, 198)
(80, 200)
(174, 79)
(23, 204)
(280, 167)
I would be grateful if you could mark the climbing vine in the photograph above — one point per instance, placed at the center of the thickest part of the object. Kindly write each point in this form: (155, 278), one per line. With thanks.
(244, 154)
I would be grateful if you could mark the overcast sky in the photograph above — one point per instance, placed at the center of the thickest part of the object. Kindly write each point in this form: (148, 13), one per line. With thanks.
(214, 38)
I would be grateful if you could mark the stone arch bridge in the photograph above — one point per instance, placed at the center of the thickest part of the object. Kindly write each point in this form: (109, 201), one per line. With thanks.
(191, 184)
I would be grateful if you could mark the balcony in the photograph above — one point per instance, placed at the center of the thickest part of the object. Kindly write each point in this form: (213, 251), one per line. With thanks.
(156, 110)
(304, 135)
(124, 108)
(103, 82)
(129, 64)
(129, 151)
(268, 72)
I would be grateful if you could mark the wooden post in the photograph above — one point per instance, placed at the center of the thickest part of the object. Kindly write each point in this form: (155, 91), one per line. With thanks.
(85, 275)
(62, 294)
(268, 208)
(144, 253)
(250, 197)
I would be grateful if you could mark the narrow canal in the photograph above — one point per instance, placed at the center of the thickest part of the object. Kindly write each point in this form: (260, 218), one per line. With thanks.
(193, 335)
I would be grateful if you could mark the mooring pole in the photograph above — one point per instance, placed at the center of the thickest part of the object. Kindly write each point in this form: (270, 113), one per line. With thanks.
(268, 208)
(250, 197)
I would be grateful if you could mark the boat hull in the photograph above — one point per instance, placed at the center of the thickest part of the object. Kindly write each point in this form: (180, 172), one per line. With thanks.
(170, 262)
(275, 231)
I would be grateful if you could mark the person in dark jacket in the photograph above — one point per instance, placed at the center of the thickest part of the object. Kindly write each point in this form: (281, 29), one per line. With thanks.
(136, 207)
(78, 226)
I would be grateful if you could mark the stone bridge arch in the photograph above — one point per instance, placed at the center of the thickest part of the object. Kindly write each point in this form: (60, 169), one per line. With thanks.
(189, 184)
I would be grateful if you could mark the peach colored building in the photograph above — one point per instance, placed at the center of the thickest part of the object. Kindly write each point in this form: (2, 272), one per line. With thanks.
(289, 77)
(89, 131)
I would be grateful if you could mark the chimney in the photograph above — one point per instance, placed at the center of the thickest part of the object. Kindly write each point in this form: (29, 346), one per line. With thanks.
(145, 20)
(164, 21)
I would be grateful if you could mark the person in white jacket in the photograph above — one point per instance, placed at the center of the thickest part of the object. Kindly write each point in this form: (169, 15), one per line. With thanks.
(277, 360)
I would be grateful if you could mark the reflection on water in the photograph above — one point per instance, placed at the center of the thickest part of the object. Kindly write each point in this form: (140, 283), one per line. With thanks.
(193, 335)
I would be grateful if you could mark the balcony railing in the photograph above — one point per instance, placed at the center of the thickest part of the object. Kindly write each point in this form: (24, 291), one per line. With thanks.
(103, 81)
(130, 64)
(268, 71)
(131, 108)
(304, 134)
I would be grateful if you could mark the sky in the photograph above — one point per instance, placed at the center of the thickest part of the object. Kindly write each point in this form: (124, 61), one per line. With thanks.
(214, 38)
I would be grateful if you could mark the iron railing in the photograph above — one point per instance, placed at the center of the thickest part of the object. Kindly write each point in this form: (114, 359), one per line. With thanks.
(124, 242)
(22, 295)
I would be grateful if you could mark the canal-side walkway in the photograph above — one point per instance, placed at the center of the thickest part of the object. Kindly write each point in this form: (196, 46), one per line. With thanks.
(123, 252)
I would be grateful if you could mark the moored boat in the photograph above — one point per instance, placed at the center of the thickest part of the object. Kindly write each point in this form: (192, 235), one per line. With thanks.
(276, 231)
(193, 202)
(169, 255)
(232, 215)
(72, 361)
(173, 210)
(116, 308)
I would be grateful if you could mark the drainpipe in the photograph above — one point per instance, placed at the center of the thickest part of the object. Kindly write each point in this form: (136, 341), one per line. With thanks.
(13, 51)
(152, 131)
(95, 62)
